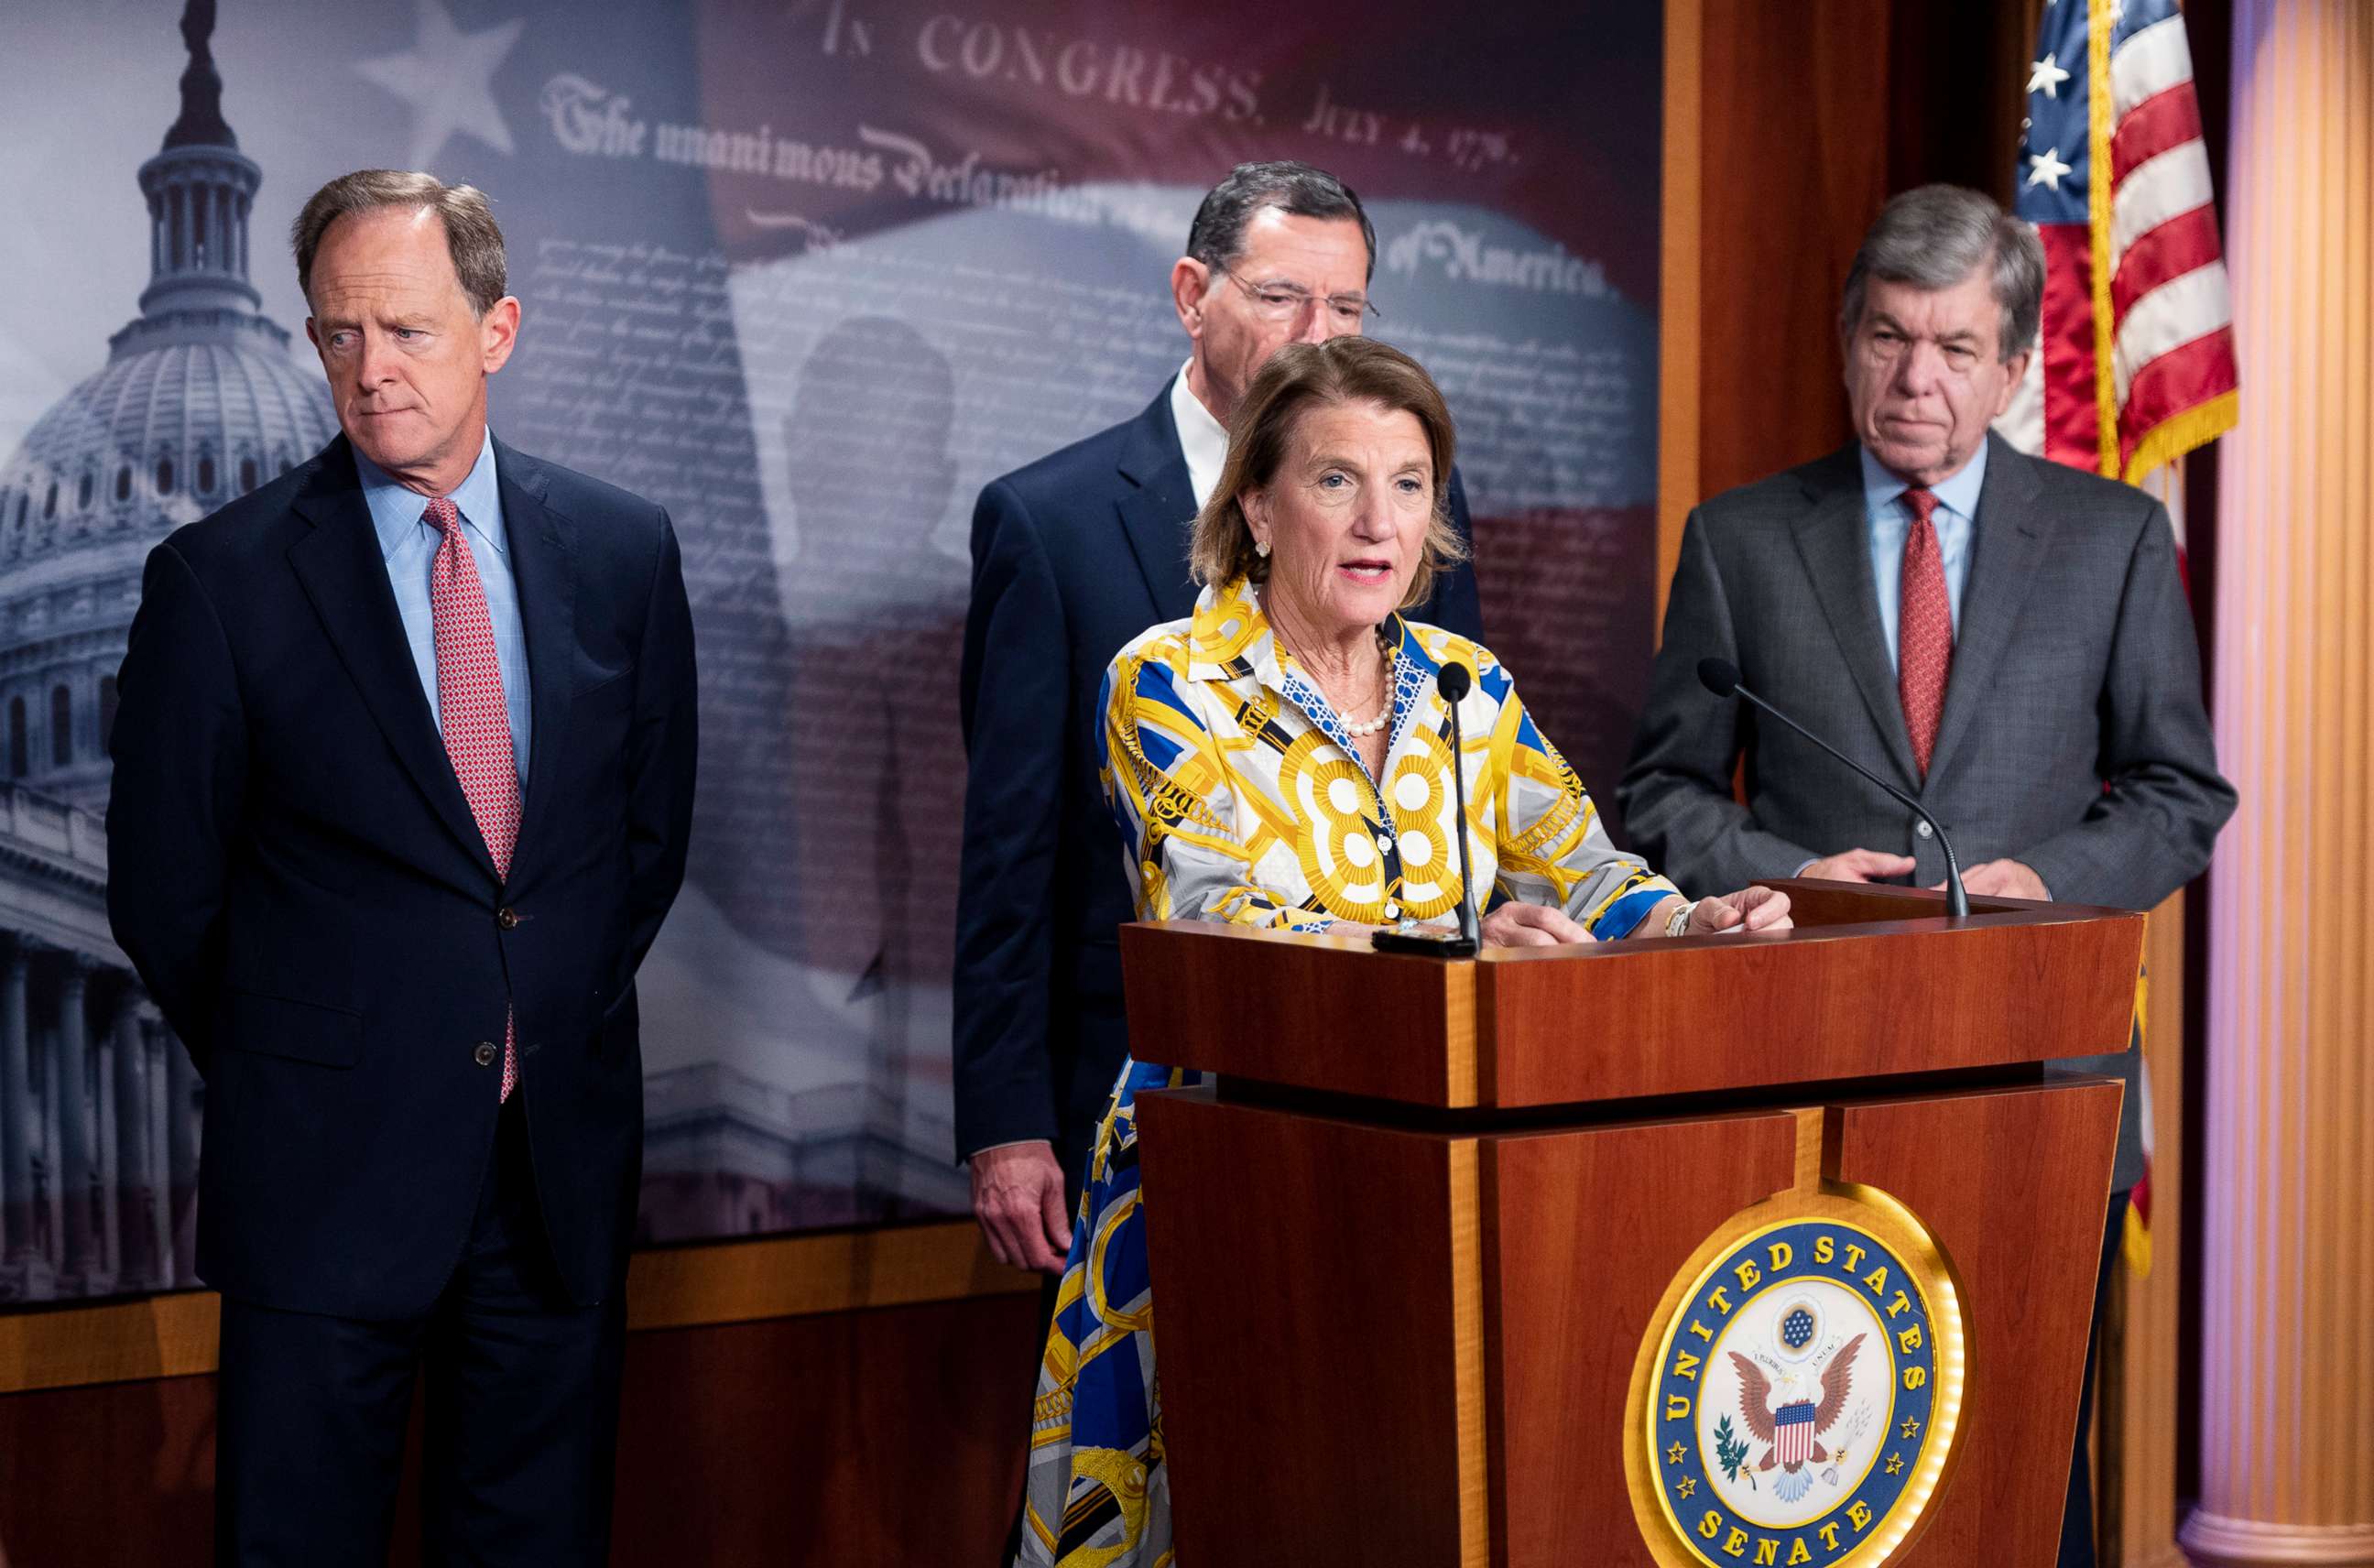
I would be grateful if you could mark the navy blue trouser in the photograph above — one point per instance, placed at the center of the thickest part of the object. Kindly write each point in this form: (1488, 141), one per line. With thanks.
(521, 1407)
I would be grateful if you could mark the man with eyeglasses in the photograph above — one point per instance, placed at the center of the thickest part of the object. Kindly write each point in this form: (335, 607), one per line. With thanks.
(1073, 555)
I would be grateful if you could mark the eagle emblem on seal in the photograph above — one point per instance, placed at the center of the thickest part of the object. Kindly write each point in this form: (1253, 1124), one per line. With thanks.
(1790, 1416)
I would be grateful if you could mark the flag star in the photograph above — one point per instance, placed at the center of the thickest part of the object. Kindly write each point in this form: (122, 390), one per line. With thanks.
(445, 76)
(2046, 75)
(2045, 168)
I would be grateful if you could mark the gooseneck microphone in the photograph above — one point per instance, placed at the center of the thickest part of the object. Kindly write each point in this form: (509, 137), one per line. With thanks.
(1452, 684)
(1721, 678)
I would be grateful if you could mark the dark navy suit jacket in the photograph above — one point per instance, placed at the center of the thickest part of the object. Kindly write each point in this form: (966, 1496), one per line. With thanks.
(1072, 556)
(301, 885)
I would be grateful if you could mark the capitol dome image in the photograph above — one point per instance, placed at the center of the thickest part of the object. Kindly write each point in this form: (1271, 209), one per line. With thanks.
(199, 401)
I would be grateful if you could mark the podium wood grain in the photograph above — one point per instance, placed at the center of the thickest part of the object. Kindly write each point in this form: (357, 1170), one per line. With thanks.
(1321, 1380)
(1835, 999)
(2014, 1186)
(1585, 1232)
(1313, 1366)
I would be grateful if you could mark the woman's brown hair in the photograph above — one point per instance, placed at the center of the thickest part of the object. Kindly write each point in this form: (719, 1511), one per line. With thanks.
(1340, 371)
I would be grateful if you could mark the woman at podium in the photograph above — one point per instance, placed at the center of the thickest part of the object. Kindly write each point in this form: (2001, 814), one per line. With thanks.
(1282, 758)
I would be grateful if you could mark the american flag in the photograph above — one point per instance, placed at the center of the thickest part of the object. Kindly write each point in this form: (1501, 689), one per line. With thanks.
(2135, 364)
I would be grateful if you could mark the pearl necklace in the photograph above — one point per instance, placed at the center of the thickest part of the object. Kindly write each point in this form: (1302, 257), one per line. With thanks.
(1385, 715)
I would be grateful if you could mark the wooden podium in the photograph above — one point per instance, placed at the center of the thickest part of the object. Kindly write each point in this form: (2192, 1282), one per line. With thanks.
(1409, 1249)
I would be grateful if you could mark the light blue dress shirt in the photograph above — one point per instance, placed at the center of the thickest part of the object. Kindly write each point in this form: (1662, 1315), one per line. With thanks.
(1886, 520)
(408, 544)
(1889, 520)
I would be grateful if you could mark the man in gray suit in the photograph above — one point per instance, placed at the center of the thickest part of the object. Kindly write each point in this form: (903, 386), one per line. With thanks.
(2005, 639)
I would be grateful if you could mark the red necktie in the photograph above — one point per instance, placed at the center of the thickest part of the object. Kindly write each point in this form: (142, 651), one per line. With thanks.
(471, 711)
(1925, 629)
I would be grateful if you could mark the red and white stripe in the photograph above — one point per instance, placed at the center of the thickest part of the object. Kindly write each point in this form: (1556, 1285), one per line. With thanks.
(2171, 309)
(2172, 346)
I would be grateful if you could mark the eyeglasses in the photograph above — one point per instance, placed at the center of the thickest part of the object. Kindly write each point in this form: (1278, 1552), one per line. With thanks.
(1287, 301)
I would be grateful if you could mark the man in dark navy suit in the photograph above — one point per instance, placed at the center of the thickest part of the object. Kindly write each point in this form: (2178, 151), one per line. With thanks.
(404, 771)
(1073, 557)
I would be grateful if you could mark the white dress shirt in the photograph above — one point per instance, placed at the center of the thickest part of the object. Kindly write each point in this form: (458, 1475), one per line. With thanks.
(1201, 439)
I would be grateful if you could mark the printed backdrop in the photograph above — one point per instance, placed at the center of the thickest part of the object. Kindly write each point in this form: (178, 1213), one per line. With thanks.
(809, 275)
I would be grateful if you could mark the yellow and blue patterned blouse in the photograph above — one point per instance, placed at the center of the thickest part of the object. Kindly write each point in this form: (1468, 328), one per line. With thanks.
(1240, 796)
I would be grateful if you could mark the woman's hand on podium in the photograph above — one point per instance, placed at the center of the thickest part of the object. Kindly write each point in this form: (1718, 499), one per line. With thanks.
(1517, 925)
(1017, 1197)
(1750, 909)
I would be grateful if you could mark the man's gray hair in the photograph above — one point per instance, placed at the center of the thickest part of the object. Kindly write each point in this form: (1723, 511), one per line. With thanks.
(471, 236)
(1934, 237)
(1216, 238)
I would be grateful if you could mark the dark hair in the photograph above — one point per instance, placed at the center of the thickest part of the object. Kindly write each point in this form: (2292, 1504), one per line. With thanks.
(1216, 238)
(471, 236)
(1933, 237)
(1341, 370)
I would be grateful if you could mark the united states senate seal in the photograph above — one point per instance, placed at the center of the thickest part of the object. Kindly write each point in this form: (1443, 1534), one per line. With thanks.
(1795, 1396)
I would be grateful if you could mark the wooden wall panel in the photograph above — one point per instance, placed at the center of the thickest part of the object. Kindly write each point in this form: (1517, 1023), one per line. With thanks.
(893, 1435)
(1793, 164)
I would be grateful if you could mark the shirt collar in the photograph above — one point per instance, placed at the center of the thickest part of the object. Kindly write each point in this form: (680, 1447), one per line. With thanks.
(396, 510)
(1203, 440)
(1959, 493)
(1228, 627)
(1230, 634)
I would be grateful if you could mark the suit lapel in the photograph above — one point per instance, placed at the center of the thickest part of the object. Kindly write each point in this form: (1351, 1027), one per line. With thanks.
(339, 565)
(1834, 538)
(1156, 507)
(2013, 535)
(543, 547)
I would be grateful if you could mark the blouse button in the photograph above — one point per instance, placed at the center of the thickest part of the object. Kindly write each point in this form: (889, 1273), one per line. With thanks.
(1393, 911)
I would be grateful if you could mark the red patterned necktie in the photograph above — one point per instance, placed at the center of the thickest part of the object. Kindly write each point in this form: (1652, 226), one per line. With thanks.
(1925, 629)
(471, 711)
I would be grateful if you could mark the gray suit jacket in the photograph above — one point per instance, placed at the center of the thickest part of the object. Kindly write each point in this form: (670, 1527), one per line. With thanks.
(2074, 737)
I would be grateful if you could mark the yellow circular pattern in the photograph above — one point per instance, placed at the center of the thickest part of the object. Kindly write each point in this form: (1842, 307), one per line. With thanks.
(1349, 882)
(1418, 788)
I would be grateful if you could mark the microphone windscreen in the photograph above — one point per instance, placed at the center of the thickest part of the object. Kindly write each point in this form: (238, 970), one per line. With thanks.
(1718, 676)
(1454, 682)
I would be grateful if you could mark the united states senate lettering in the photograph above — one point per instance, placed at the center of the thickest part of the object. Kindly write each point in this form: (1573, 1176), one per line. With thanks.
(1793, 1417)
